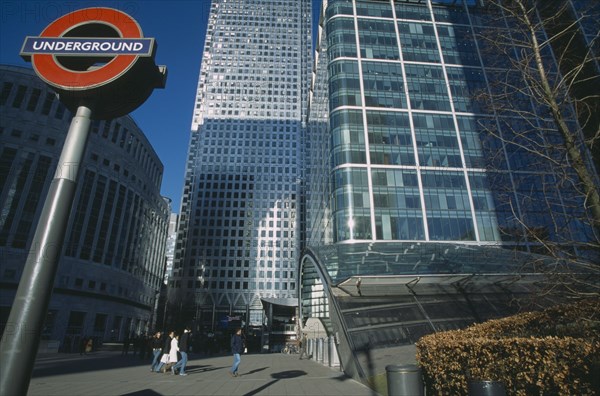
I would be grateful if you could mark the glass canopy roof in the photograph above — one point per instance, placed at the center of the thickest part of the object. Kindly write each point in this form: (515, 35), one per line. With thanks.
(343, 261)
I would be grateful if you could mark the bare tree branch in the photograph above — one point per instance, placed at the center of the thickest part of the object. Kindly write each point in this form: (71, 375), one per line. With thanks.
(547, 123)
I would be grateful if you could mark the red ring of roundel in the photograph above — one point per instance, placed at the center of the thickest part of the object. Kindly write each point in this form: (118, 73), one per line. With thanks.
(53, 73)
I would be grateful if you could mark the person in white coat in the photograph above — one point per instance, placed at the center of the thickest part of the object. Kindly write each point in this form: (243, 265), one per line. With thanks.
(173, 358)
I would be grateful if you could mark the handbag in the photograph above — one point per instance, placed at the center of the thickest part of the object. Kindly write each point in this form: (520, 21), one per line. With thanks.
(245, 350)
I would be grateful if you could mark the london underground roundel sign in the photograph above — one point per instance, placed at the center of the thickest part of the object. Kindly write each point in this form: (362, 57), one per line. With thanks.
(97, 55)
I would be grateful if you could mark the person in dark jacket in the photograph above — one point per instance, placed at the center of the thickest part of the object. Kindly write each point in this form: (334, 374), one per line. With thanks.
(237, 347)
(126, 343)
(184, 348)
(156, 343)
(166, 349)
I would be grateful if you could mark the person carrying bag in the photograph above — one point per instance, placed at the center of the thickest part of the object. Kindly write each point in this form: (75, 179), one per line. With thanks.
(164, 359)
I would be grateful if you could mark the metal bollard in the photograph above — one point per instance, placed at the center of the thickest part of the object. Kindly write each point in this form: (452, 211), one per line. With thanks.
(405, 380)
(331, 351)
(319, 350)
(335, 359)
(486, 388)
(326, 351)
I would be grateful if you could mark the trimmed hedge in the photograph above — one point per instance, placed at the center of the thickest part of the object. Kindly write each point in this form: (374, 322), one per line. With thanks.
(555, 351)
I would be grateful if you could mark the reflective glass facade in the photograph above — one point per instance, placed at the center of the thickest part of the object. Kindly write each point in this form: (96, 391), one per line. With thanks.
(582, 10)
(240, 227)
(112, 262)
(412, 153)
(406, 158)
(423, 201)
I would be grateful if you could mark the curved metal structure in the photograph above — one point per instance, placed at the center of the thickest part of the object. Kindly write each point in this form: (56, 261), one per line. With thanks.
(378, 299)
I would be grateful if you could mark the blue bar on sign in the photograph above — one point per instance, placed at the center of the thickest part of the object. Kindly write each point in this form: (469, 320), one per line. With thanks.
(87, 46)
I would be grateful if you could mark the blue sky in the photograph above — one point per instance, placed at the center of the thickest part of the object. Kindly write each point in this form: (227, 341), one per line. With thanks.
(179, 27)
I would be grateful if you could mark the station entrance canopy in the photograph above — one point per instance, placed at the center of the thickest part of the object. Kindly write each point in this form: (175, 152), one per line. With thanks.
(374, 297)
(344, 261)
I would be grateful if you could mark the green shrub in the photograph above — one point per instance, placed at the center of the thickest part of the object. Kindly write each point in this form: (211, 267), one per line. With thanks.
(555, 351)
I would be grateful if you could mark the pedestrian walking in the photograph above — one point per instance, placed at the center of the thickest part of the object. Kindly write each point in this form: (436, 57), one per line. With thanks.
(164, 358)
(156, 343)
(303, 346)
(173, 353)
(237, 347)
(184, 347)
(126, 343)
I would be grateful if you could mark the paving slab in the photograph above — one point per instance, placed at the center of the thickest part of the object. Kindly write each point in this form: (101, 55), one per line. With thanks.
(109, 373)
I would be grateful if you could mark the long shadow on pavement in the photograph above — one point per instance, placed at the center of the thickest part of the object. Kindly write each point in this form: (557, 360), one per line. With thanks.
(278, 376)
(255, 371)
(92, 362)
(143, 392)
(201, 369)
(73, 363)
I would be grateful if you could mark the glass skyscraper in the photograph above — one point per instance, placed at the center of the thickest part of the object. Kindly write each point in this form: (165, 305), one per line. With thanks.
(383, 193)
(409, 146)
(422, 201)
(240, 229)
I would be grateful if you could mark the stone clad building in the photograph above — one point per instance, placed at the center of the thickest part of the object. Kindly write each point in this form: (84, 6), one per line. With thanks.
(112, 262)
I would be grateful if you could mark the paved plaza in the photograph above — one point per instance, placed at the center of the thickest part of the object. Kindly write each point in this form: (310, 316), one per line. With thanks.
(109, 373)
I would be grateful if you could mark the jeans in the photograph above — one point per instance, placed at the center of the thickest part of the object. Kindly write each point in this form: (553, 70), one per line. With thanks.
(156, 360)
(236, 362)
(181, 363)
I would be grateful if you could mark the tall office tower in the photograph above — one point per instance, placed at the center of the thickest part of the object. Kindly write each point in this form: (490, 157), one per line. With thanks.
(171, 241)
(414, 185)
(240, 230)
(396, 128)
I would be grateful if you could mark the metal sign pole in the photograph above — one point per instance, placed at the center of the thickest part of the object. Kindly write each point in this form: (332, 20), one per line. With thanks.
(21, 337)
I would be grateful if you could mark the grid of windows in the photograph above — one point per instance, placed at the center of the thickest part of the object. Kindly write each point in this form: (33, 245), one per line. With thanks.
(399, 66)
(437, 166)
(253, 72)
(401, 86)
(25, 175)
(239, 234)
(115, 236)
